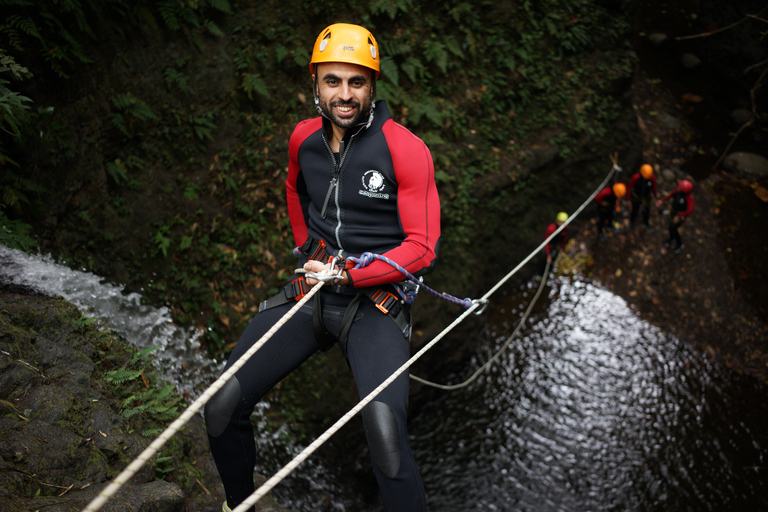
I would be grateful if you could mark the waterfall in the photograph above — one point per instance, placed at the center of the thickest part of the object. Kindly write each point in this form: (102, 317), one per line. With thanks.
(179, 355)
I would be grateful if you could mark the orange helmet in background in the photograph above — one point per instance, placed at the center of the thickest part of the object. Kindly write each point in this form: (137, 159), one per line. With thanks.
(646, 171)
(342, 42)
(619, 190)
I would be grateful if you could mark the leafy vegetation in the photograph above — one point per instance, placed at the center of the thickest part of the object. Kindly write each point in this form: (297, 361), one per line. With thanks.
(174, 178)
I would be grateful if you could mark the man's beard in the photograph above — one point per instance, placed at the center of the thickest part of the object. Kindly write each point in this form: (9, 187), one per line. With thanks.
(362, 112)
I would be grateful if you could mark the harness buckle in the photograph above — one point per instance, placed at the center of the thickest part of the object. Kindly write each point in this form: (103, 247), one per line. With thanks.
(316, 250)
(299, 288)
(384, 300)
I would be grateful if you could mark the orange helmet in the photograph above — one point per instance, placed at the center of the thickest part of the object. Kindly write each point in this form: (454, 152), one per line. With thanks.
(686, 186)
(343, 42)
(646, 171)
(619, 190)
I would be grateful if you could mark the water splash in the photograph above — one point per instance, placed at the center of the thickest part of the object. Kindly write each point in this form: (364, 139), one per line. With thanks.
(179, 355)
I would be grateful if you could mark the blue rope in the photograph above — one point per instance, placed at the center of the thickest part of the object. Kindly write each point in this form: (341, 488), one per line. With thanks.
(408, 296)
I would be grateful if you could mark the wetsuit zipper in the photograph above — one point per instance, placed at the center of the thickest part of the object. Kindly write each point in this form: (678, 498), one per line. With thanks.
(333, 187)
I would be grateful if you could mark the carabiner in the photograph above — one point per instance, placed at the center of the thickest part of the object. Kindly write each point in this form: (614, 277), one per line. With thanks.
(483, 304)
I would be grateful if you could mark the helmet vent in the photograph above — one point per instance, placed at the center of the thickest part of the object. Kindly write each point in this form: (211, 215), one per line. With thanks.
(324, 42)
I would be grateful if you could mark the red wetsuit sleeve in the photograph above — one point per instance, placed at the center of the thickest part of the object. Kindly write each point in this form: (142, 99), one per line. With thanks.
(674, 191)
(418, 209)
(602, 196)
(296, 198)
(653, 186)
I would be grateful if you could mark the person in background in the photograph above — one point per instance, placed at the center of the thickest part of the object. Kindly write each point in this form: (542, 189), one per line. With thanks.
(607, 202)
(681, 209)
(642, 185)
(357, 182)
(557, 243)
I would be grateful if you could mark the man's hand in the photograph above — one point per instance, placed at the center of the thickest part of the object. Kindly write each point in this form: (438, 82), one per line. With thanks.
(318, 266)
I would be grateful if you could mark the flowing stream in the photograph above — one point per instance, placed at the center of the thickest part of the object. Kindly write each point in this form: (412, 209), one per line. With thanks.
(589, 409)
(592, 409)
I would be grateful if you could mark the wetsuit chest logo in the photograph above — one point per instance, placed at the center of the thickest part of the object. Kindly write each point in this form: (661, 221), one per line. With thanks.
(373, 185)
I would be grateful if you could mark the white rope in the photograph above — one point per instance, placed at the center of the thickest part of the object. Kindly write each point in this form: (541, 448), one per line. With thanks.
(174, 427)
(506, 344)
(558, 230)
(301, 457)
(614, 168)
(304, 454)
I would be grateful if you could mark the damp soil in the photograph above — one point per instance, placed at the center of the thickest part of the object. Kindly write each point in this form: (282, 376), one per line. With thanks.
(713, 294)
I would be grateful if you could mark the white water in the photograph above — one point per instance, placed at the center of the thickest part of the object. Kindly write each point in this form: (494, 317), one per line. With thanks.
(178, 356)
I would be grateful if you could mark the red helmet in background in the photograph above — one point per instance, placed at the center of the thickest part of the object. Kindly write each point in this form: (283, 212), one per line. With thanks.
(686, 186)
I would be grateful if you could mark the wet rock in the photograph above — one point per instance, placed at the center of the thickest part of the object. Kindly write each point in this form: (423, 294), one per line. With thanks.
(657, 38)
(62, 437)
(670, 121)
(740, 116)
(668, 175)
(690, 61)
(747, 163)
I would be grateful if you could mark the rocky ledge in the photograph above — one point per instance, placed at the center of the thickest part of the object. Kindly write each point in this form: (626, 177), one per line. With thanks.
(63, 429)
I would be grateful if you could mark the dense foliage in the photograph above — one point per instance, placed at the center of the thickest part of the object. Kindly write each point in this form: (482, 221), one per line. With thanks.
(173, 178)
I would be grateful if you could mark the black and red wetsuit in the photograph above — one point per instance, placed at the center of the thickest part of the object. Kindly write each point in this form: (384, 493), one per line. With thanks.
(606, 203)
(682, 208)
(377, 195)
(640, 191)
(558, 241)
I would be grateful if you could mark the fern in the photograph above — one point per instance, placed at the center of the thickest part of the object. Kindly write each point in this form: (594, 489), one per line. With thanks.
(142, 354)
(118, 121)
(169, 13)
(122, 376)
(254, 83)
(116, 170)
(435, 52)
(220, 5)
(213, 28)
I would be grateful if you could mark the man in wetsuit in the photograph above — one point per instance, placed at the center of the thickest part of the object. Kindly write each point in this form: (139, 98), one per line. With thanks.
(557, 243)
(682, 207)
(357, 182)
(607, 201)
(642, 185)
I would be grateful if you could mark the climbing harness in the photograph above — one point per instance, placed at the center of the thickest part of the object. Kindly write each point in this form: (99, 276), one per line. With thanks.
(324, 277)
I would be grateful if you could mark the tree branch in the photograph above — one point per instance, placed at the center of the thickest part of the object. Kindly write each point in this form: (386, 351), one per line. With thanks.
(707, 34)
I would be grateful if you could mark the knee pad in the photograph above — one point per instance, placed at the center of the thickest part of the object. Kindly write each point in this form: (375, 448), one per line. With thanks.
(383, 437)
(218, 411)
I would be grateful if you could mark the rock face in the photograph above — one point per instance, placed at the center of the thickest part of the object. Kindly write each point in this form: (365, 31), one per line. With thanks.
(747, 163)
(62, 437)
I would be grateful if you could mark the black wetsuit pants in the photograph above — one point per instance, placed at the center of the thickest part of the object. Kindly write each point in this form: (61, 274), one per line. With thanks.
(641, 204)
(674, 233)
(375, 349)
(604, 218)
